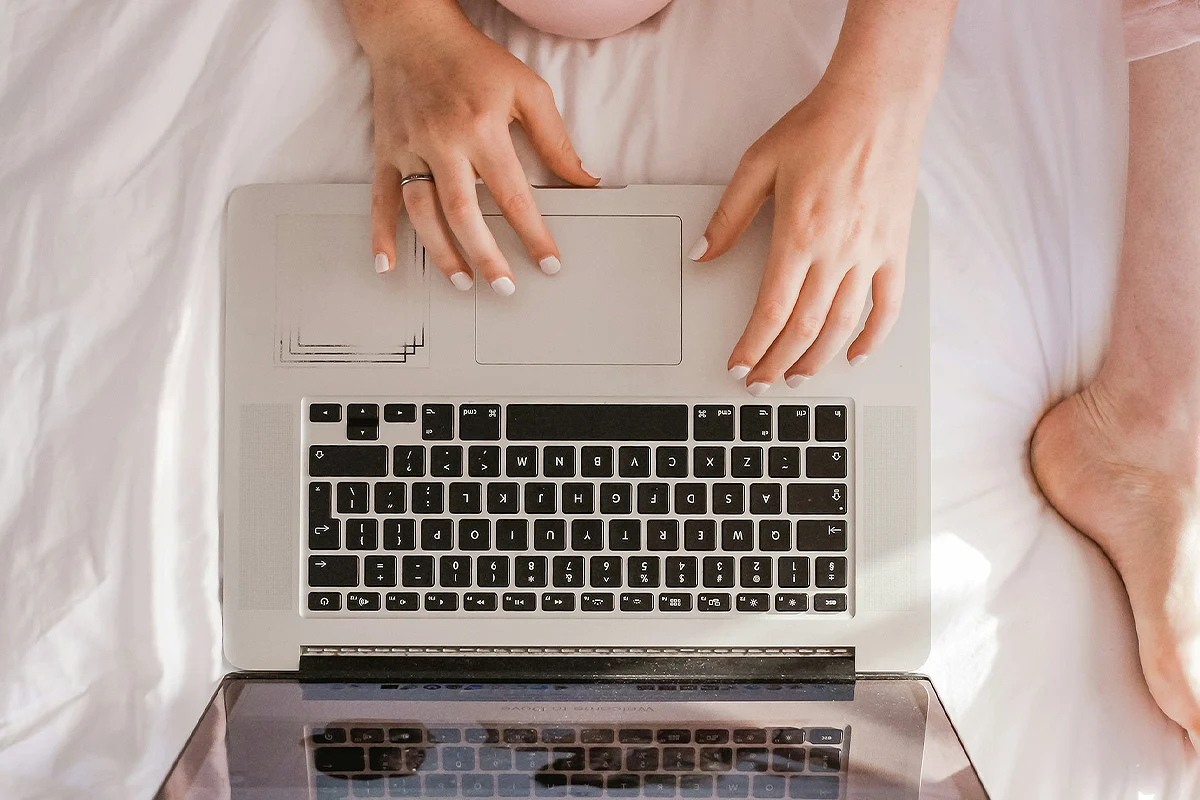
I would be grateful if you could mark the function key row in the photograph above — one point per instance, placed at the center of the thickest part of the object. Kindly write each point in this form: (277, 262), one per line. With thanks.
(666, 602)
(532, 735)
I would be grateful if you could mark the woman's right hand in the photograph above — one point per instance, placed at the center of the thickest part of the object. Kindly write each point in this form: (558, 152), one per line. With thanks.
(444, 97)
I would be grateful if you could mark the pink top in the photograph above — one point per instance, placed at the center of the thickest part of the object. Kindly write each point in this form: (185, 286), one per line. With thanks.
(1156, 26)
(584, 19)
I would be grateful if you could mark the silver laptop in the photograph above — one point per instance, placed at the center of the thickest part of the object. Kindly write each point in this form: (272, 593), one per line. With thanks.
(561, 487)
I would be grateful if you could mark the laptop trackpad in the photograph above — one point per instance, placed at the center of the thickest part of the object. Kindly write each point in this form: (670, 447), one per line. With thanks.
(617, 300)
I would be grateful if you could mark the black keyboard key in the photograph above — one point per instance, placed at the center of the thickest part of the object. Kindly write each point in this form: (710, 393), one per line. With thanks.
(699, 534)
(788, 736)
(512, 534)
(642, 572)
(737, 535)
(783, 462)
(567, 571)
(530, 571)
(549, 534)
(416, 571)
(624, 534)
(653, 498)
(659, 785)
(691, 498)
(708, 462)
(602, 759)
(596, 462)
(753, 601)
(746, 462)
(774, 535)
(616, 498)
(325, 412)
(637, 601)
(641, 759)
(389, 498)
(399, 534)
(729, 498)
(479, 601)
(791, 602)
(379, 571)
(824, 759)
(564, 759)
(671, 462)
(362, 601)
(674, 601)
(830, 573)
(712, 736)
(681, 572)
(563, 736)
(483, 461)
(427, 498)
(624, 785)
(479, 422)
(604, 572)
(363, 413)
(712, 423)
(362, 534)
(826, 462)
(814, 787)
(716, 759)
(599, 736)
(587, 534)
(503, 498)
(441, 785)
(596, 601)
(332, 571)
(441, 601)
(436, 534)
(437, 422)
(816, 498)
(329, 736)
(541, 498)
(324, 534)
(829, 602)
(454, 571)
(520, 601)
(766, 498)
(558, 601)
(402, 601)
(405, 735)
(340, 759)
(718, 572)
(749, 736)
(714, 601)
(578, 498)
(662, 534)
(787, 759)
(408, 461)
(474, 534)
(756, 572)
(320, 501)
(520, 461)
(793, 423)
(821, 534)
(595, 422)
(362, 433)
(445, 461)
(492, 571)
(483, 736)
(793, 572)
(633, 462)
(476, 785)
(400, 412)
(756, 423)
(830, 423)
(768, 786)
(825, 736)
(325, 601)
(695, 785)
(558, 462)
(353, 497)
(347, 461)
(466, 498)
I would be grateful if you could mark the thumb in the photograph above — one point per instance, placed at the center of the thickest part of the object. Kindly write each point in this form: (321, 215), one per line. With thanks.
(748, 189)
(548, 134)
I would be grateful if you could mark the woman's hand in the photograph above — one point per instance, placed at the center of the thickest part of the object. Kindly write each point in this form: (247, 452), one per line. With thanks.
(843, 170)
(444, 97)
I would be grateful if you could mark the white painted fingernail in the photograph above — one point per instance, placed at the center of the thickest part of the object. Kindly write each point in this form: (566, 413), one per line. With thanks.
(739, 371)
(462, 281)
(757, 388)
(794, 381)
(504, 286)
(854, 362)
(698, 249)
(549, 265)
(381, 263)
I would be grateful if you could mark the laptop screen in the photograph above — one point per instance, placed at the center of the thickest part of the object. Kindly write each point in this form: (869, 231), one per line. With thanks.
(268, 739)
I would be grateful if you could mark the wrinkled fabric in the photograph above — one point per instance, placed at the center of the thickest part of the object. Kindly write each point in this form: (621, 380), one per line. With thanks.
(125, 124)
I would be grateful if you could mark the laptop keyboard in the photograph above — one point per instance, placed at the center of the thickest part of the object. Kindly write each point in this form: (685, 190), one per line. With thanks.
(516, 508)
(367, 759)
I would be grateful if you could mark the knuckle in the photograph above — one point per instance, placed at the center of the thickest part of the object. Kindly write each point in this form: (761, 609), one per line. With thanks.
(843, 320)
(721, 219)
(419, 203)
(515, 203)
(806, 326)
(775, 312)
(458, 207)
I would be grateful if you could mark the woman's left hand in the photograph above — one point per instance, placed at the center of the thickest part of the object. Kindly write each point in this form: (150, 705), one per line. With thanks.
(843, 169)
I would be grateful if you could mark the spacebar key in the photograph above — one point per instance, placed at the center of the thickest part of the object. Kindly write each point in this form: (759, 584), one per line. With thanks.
(592, 422)
(347, 461)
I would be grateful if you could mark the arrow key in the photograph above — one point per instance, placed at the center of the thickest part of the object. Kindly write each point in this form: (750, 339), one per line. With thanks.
(827, 462)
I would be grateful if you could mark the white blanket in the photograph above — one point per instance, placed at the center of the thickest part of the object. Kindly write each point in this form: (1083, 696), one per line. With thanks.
(124, 124)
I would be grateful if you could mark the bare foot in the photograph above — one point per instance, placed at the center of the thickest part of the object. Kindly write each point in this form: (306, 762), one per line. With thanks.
(1132, 486)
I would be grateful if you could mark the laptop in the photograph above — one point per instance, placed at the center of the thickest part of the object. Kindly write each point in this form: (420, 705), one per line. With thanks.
(543, 545)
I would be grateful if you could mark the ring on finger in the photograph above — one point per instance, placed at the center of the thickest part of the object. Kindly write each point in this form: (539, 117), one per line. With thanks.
(416, 176)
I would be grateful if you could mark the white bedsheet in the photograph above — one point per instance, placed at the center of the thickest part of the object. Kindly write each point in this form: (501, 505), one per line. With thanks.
(124, 124)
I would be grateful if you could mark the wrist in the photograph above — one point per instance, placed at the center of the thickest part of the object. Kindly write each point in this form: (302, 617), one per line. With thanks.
(390, 30)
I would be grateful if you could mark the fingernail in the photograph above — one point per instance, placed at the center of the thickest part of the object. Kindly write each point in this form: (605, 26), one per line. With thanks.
(739, 371)
(854, 362)
(462, 281)
(757, 388)
(504, 286)
(590, 174)
(698, 249)
(381, 262)
(794, 381)
(550, 265)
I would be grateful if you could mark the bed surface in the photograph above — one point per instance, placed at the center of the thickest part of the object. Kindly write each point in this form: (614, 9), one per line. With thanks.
(123, 127)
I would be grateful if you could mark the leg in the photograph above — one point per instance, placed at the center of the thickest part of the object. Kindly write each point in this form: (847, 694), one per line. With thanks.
(1121, 459)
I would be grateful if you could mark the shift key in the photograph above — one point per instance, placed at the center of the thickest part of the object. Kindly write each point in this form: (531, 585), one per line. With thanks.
(816, 498)
(332, 571)
(347, 461)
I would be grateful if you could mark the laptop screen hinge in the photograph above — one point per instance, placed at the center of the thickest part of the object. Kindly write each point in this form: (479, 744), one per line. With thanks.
(579, 664)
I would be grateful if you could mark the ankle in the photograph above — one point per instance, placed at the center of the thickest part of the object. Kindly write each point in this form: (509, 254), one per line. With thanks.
(1159, 423)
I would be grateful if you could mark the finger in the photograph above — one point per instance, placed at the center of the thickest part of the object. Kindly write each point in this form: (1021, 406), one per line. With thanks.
(887, 291)
(386, 201)
(547, 132)
(802, 328)
(751, 184)
(460, 203)
(844, 313)
(421, 201)
(501, 171)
